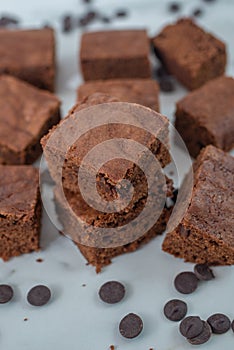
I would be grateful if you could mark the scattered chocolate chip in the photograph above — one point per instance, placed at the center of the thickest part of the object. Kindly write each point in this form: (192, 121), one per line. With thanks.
(174, 7)
(186, 282)
(131, 326)
(25, 319)
(112, 347)
(67, 24)
(175, 310)
(121, 13)
(8, 21)
(191, 327)
(203, 272)
(203, 337)
(232, 325)
(105, 19)
(39, 295)
(166, 85)
(219, 323)
(39, 260)
(197, 13)
(112, 292)
(87, 18)
(83, 285)
(6, 293)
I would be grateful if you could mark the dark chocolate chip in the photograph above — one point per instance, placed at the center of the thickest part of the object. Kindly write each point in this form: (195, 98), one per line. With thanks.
(8, 20)
(219, 323)
(174, 7)
(112, 292)
(121, 13)
(232, 325)
(186, 282)
(67, 24)
(39, 295)
(203, 337)
(166, 85)
(87, 18)
(6, 293)
(105, 19)
(131, 326)
(175, 310)
(203, 272)
(197, 12)
(191, 327)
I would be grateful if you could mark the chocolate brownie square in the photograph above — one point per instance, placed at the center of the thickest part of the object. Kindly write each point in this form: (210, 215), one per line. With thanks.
(191, 54)
(26, 114)
(97, 256)
(206, 232)
(206, 116)
(115, 54)
(29, 55)
(20, 210)
(112, 172)
(142, 91)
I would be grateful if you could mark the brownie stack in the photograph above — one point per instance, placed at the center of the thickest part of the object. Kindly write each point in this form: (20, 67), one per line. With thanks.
(107, 180)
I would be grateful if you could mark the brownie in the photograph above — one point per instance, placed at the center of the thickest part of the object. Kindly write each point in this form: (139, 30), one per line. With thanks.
(115, 54)
(26, 114)
(142, 91)
(191, 54)
(206, 232)
(114, 171)
(20, 210)
(206, 116)
(29, 55)
(100, 257)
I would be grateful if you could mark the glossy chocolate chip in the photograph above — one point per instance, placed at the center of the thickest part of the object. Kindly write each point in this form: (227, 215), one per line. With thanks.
(175, 310)
(131, 326)
(203, 337)
(112, 292)
(219, 323)
(186, 282)
(39, 295)
(203, 272)
(191, 327)
(6, 293)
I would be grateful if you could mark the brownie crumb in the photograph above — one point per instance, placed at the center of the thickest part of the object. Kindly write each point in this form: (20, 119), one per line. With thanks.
(112, 347)
(40, 260)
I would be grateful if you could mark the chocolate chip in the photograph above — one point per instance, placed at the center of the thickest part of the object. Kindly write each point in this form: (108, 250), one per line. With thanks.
(232, 325)
(105, 19)
(87, 1)
(39, 295)
(197, 12)
(174, 7)
(6, 293)
(39, 260)
(203, 272)
(67, 24)
(166, 85)
(87, 18)
(191, 327)
(209, 0)
(121, 13)
(131, 326)
(175, 310)
(112, 292)
(219, 323)
(8, 20)
(203, 337)
(186, 282)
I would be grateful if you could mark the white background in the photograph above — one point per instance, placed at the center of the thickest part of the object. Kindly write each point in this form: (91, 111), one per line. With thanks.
(75, 318)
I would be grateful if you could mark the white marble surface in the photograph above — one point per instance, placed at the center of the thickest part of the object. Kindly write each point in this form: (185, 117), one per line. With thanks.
(75, 318)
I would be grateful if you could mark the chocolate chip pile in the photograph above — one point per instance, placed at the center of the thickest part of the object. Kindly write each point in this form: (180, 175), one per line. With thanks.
(37, 296)
(193, 328)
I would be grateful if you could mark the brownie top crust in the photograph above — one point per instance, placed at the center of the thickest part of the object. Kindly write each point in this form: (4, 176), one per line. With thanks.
(195, 45)
(24, 110)
(212, 106)
(142, 91)
(212, 203)
(26, 48)
(114, 44)
(19, 186)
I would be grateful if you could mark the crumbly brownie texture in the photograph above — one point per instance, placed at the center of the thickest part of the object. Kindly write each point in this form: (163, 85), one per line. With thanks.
(29, 55)
(191, 54)
(26, 114)
(142, 91)
(115, 54)
(20, 210)
(100, 257)
(206, 234)
(206, 116)
(112, 172)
